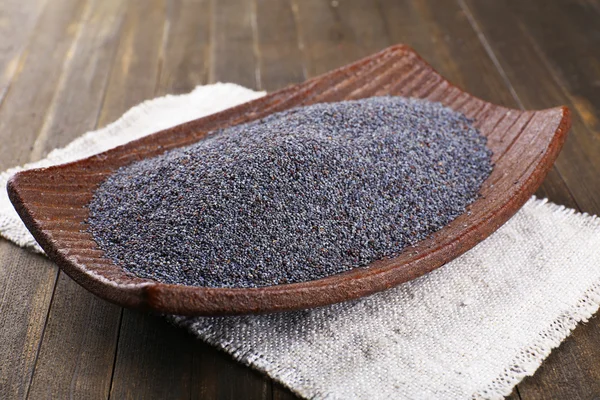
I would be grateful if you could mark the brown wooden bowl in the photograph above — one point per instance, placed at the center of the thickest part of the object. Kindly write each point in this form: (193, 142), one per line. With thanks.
(52, 201)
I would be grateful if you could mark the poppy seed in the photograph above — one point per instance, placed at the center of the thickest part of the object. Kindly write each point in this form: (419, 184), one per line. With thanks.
(296, 196)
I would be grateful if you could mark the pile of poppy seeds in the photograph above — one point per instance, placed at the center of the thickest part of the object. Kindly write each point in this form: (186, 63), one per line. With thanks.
(296, 196)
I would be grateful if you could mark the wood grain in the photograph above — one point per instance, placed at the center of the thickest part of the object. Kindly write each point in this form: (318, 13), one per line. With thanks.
(280, 59)
(17, 22)
(362, 28)
(26, 280)
(136, 66)
(445, 36)
(579, 83)
(558, 48)
(79, 341)
(81, 330)
(84, 78)
(33, 86)
(186, 47)
(150, 363)
(234, 43)
(26, 284)
(578, 164)
(220, 377)
(319, 35)
(86, 351)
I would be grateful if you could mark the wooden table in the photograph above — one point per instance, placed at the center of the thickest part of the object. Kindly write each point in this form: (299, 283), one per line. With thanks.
(69, 66)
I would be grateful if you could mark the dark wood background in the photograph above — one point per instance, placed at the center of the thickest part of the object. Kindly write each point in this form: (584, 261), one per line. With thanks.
(69, 66)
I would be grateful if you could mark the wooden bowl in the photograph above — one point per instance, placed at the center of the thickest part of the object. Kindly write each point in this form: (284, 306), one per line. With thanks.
(52, 201)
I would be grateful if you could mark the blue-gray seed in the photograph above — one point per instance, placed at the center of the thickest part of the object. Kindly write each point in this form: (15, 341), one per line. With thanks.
(296, 196)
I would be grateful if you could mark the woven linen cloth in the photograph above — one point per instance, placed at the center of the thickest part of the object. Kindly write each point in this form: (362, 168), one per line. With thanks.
(471, 329)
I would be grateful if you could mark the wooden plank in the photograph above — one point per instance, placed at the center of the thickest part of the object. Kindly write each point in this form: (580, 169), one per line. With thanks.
(89, 371)
(24, 107)
(334, 33)
(558, 48)
(26, 284)
(27, 280)
(571, 53)
(578, 162)
(79, 96)
(523, 53)
(17, 22)
(136, 67)
(567, 58)
(218, 376)
(81, 331)
(233, 43)
(77, 352)
(571, 371)
(279, 53)
(282, 393)
(153, 360)
(320, 34)
(555, 189)
(186, 51)
(445, 38)
(362, 27)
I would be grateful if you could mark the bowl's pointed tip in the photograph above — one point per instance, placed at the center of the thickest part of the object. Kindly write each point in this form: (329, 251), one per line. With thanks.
(12, 188)
(401, 48)
(565, 122)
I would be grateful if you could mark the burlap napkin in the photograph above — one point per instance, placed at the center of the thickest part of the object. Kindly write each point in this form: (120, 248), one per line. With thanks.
(471, 329)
